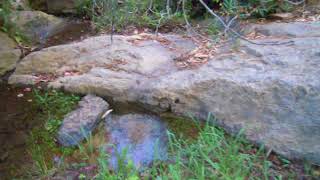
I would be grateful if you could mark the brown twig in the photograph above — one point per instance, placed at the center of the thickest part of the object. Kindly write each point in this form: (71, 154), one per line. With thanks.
(235, 32)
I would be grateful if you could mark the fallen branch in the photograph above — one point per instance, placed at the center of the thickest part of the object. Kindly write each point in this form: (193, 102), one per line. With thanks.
(226, 26)
(295, 3)
(188, 25)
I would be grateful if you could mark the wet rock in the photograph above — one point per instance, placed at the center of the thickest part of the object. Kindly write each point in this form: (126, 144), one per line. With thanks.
(143, 137)
(78, 124)
(36, 26)
(20, 5)
(67, 6)
(40, 5)
(9, 54)
(272, 92)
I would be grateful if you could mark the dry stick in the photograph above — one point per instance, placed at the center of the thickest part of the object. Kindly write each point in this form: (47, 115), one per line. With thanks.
(112, 20)
(178, 5)
(159, 23)
(295, 3)
(150, 7)
(235, 32)
(168, 7)
(229, 24)
(188, 25)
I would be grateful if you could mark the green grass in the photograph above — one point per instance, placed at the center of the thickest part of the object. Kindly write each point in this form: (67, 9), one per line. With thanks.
(9, 27)
(212, 156)
(141, 14)
(52, 106)
(197, 151)
(156, 14)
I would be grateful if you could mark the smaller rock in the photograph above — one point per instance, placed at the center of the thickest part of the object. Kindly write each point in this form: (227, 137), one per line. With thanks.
(40, 5)
(9, 54)
(143, 137)
(36, 26)
(78, 124)
(66, 6)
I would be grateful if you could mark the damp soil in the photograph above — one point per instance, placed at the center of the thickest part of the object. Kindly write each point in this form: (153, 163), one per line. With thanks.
(16, 121)
(75, 30)
(19, 116)
(17, 111)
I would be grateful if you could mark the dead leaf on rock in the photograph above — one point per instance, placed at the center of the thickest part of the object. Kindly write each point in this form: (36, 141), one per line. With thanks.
(198, 56)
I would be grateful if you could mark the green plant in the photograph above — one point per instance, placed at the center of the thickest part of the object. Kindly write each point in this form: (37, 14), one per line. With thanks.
(52, 106)
(212, 157)
(5, 11)
(86, 151)
(263, 8)
(254, 8)
(7, 25)
(39, 157)
(116, 16)
(125, 167)
(230, 7)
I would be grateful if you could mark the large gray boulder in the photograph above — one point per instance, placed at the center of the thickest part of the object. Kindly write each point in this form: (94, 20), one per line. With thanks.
(79, 124)
(272, 92)
(9, 53)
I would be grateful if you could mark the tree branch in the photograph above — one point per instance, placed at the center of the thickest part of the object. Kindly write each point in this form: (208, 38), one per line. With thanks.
(235, 32)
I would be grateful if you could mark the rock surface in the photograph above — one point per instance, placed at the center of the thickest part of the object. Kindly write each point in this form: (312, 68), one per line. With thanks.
(273, 92)
(78, 124)
(144, 138)
(36, 26)
(66, 6)
(9, 54)
(295, 29)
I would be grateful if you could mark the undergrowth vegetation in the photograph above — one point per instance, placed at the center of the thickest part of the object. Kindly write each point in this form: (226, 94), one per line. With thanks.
(52, 106)
(7, 26)
(196, 151)
(155, 13)
(117, 16)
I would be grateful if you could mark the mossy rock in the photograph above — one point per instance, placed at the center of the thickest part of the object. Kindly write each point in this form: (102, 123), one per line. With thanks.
(9, 54)
(38, 4)
(36, 25)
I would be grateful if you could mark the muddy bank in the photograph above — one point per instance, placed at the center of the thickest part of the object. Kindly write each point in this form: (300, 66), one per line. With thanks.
(16, 121)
